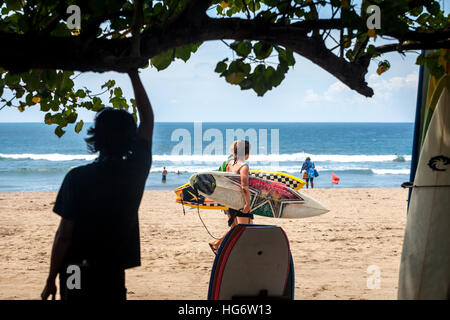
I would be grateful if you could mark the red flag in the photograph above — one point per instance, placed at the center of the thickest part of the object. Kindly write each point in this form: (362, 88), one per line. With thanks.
(334, 178)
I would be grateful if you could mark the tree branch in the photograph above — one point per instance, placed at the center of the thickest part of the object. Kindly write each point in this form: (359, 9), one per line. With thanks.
(136, 28)
(193, 26)
(406, 46)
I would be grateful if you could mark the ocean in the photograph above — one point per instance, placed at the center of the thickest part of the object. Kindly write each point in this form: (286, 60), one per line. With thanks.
(362, 155)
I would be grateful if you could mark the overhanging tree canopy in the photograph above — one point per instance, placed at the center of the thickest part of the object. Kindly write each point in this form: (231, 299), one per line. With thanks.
(40, 54)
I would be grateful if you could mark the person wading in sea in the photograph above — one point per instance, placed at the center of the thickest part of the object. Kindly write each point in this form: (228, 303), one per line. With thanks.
(309, 168)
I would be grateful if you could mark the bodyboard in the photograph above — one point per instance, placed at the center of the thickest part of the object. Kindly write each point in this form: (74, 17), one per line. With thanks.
(253, 262)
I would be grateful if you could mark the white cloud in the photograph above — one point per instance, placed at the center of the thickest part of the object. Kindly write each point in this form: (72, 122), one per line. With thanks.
(338, 92)
(331, 94)
(311, 96)
(379, 84)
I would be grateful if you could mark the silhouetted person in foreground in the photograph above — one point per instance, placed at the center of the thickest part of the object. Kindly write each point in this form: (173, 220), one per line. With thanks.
(98, 236)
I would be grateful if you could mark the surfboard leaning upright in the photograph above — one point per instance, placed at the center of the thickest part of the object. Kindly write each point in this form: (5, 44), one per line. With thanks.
(425, 262)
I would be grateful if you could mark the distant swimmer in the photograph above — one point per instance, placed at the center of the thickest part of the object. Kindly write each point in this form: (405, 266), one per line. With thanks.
(399, 158)
(164, 175)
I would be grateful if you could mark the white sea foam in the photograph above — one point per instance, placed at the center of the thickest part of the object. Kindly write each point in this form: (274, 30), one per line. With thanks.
(291, 170)
(297, 157)
(49, 156)
(192, 159)
(391, 171)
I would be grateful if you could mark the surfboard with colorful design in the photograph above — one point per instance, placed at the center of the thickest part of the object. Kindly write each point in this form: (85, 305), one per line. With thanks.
(187, 196)
(267, 198)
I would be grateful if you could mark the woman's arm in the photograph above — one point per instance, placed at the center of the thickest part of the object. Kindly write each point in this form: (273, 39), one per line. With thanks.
(144, 107)
(244, 188)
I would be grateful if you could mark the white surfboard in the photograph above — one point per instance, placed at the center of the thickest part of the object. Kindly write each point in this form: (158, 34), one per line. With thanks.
(267, 198)
(425, 262)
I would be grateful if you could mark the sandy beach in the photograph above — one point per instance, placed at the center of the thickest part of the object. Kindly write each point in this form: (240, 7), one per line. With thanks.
(331, 252)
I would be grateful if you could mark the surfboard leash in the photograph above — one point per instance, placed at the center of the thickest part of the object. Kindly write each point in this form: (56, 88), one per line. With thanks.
(182, 204)
(198, 213)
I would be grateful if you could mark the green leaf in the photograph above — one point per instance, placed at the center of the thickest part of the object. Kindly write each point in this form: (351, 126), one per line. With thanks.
(417, 11)
(371, 50)
(119, 103)
(277, 78)
(19, 92)
(243, 48)
(383, 66)
(246, 84)
(59, 131)
(184, 52)
(12, 79)
(118, 92)
(71, 117)
(163, 60)
(48, 118)
(434, 8)
(14, 4)
(260, 86)
(420, 60)
(29, 99)
(50, 79)
(80, 93)
(97, 104)
(108, 84)
(32, 79)
(235, 77)
(221, 66)
(239, 66)
(66, 84)
(286, 57)
(45, 106)
(79, 126)
(262, 50)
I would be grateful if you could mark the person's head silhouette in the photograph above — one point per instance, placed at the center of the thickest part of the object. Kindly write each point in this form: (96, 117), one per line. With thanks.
(113, 132)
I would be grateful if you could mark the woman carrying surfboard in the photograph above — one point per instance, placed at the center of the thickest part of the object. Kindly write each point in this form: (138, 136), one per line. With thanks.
(241, 152)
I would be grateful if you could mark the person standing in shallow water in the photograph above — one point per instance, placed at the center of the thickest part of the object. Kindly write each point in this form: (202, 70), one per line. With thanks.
(309, 168)
(164, 175)
(98, 235)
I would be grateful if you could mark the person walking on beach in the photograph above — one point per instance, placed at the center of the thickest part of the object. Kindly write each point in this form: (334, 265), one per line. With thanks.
(310, 170)
(241, 152)
(164, 175)
(98, 235)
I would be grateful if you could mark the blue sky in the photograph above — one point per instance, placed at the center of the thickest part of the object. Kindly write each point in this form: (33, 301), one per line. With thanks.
(192, 91)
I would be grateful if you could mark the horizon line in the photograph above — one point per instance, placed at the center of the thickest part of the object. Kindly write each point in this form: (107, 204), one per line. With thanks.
(17, 122)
